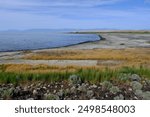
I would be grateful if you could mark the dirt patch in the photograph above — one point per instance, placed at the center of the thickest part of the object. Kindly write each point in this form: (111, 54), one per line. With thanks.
(109, 62)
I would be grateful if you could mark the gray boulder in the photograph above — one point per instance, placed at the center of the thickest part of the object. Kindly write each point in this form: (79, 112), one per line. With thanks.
(135, 77)
(75, 80)
(146, 95)
(136, 85)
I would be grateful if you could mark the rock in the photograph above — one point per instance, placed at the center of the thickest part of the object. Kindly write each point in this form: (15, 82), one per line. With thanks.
(139, 93)
(106, 85)
(60, 93)
(146, 95)
(35, 92)
(120, 97)
(51, 97)
(44, 88)
(56, 86)
(82, 88)
(67, 91)
(94, 86)
(25, 88)
(148, 82)
(73, 90)
(90, 94)
(74, 80)
(54, 91)
(17, 90)
(114, 89)
(136, 85)
(135, 77)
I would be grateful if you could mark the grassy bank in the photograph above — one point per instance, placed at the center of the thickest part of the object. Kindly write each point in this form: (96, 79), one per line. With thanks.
(88, 74)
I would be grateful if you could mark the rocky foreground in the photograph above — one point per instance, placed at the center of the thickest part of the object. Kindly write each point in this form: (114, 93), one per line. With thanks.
(75, 89)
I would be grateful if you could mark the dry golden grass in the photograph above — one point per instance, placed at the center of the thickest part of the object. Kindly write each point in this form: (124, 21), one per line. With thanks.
(96, 54)
(130, 56)
(26, 68)
(119, 57)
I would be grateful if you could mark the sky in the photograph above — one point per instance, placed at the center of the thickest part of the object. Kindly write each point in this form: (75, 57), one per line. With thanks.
(74, 14)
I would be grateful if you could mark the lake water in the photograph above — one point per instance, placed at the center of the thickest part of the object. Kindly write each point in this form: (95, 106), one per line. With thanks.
(26, 40)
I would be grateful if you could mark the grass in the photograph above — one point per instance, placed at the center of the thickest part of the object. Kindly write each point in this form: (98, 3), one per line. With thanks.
(130, 56)
(134, 61)
(89, 74)
(96, 54)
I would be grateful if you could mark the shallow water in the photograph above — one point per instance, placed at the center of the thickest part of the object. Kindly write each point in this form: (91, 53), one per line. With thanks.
(26, 40)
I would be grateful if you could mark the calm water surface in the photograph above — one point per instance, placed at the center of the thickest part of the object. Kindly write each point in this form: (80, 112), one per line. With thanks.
(24, 40)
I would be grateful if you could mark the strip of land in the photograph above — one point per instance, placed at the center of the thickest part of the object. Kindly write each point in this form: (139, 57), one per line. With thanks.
(115, 49)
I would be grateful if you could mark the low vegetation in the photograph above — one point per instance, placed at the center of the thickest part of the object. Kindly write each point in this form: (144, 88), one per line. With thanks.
(27, 74)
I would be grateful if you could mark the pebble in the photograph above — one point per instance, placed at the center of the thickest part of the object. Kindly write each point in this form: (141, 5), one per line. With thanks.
(35, 92)
(90, 94)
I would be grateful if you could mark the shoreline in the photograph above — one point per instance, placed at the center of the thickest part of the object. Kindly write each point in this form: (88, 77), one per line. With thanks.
(112, 42)
(108, 39)
(50, 48)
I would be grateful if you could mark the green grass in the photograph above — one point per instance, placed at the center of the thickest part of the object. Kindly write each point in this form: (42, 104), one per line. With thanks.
(92, 75)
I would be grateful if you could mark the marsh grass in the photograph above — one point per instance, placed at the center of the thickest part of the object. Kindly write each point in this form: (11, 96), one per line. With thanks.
(93, 75)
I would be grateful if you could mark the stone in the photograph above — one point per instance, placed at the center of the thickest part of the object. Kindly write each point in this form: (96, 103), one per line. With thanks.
(146, 95)
(44, 88)
(74, 80)
(90, 94)
(73, 90)
(94, 86)
(106, 85)
(60, 93)
(82, 88)
(136, 85)
(94, 98)
(114, 89)
(25, 88)
(148, 82)
(35, 92)
(67, 91)
(51, 97)
(54, 91)
(135, 77)
(139, 93)
(120, 97)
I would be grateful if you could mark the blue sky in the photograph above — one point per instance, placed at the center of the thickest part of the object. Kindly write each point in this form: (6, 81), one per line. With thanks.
(74, 14)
